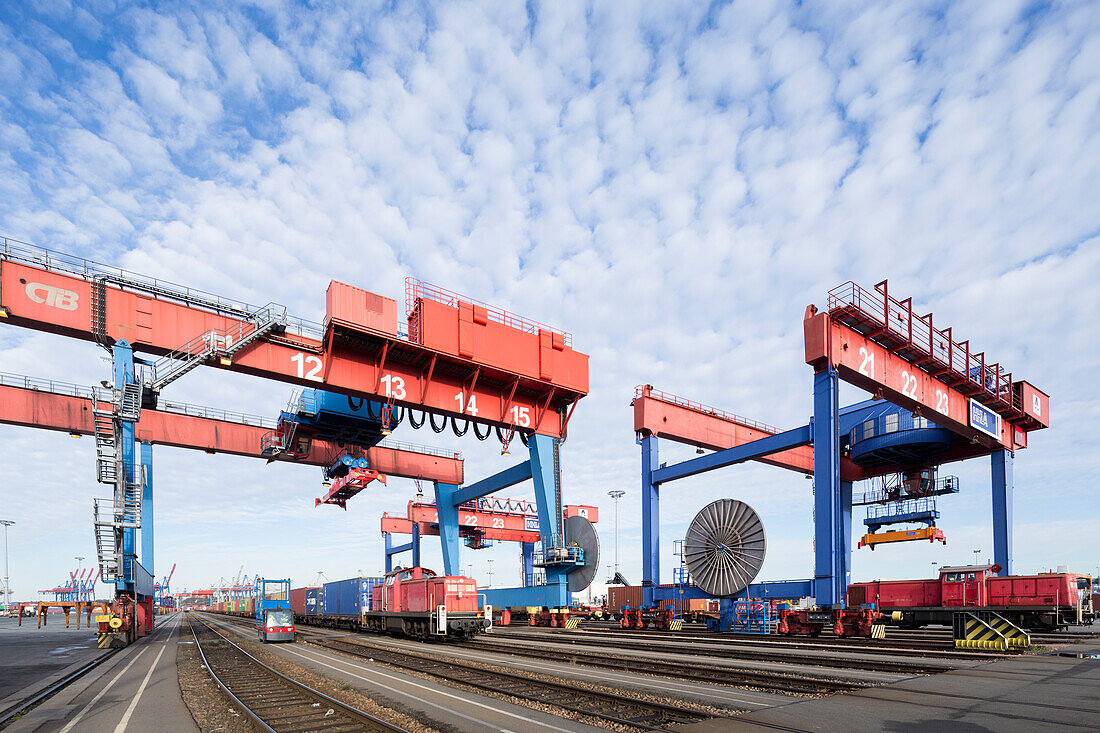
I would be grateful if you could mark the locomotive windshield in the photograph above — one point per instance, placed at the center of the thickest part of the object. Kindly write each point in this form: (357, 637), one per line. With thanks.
(280, 617)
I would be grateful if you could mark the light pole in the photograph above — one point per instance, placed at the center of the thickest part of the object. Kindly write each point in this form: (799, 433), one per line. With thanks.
(616, 494)
(79, 562)
(490, 561)
(934, 566)
(7, 579)
(976, 552)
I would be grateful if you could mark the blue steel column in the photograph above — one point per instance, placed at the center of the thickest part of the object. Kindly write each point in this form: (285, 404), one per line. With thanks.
(147, 509)
(845, 538)
(828, 521)
(541, 448)
(388, 541)
(416, 545)
(123, 357)
(1002, 510)
(528, 549)
(447, 514)
(651, 521)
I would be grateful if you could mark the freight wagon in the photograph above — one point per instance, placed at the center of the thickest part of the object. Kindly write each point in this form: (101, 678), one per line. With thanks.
(620, 597)
(1039, 602)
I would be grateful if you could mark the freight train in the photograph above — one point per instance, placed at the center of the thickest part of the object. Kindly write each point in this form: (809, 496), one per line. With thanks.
(1041, 602)
(408, 601)
(411, 602)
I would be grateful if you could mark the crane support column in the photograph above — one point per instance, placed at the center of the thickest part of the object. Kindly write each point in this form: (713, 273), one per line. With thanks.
(651, 520)
(545, 475)
(831, 550)
(147, 507)
(124, 373)
(1002, 510)
(528, 552)
(448, 526)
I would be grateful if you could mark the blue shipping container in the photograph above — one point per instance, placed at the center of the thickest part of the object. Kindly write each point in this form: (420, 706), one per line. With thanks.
(348, 597)
(313, 601)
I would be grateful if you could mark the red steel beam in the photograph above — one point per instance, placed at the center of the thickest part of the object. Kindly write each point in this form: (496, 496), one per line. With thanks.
(872, 367)
(703, 428)
(71, 414)
(500, 526)
(371, 362)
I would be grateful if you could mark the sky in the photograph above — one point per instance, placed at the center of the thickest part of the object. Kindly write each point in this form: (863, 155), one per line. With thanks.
(672, 183)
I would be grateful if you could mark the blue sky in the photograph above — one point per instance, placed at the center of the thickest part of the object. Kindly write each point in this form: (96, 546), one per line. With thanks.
(671, 182)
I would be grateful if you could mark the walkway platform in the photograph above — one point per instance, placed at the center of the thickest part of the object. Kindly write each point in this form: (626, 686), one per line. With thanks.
(137, 689)
(1056, 692)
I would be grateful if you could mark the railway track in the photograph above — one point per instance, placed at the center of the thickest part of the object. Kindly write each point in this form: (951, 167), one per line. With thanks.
(274, 701)
(612, 707)
(777, 681)
(760, 648)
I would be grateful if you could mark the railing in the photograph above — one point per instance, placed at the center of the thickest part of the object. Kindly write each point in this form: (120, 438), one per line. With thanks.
(502, 506)
(15, 250)
(896, 318)
(414, 448)
(53, 386)
(177, 408)
(415, 289)
(645, 390)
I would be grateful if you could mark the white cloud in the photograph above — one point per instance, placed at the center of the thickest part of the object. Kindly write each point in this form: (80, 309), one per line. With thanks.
(670, 183)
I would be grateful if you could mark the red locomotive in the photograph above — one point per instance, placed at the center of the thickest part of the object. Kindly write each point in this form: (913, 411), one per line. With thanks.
(415, 602)
(1038, 602)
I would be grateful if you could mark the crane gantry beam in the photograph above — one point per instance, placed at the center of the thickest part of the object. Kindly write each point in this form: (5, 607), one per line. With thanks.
(67, 408)
(462, 359)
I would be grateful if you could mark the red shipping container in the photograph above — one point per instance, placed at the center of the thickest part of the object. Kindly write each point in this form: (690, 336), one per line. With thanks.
(298, 600)
(623, 595)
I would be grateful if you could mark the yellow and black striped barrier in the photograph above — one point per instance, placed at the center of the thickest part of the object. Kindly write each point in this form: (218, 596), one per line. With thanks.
(676, 625)
(572, 623)
(878, 631)
(988, 630)
(102, 640)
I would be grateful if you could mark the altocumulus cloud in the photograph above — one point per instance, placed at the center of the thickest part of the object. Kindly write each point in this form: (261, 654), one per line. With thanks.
(671, 182)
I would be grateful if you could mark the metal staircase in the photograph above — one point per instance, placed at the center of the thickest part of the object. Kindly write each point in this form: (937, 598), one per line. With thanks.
(213, 343)
(108, 544)
(123, 511)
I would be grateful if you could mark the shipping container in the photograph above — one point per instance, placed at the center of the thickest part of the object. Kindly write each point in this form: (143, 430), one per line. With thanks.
(350, 597)
(314, 601)
(299, 602)
(619, 596)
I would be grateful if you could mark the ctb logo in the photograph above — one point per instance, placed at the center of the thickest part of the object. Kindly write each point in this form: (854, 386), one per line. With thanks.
(52, 296)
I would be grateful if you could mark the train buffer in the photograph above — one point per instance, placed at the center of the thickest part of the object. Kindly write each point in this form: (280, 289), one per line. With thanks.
(987, 630)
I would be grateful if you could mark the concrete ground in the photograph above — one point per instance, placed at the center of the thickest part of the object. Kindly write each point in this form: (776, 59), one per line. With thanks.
(1032, 693)
(136, 690)
(29, 655)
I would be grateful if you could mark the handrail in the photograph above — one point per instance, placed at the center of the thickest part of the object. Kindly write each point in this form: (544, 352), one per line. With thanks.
(938, 348)
(416, 289)
(27, 253)
(645, 390)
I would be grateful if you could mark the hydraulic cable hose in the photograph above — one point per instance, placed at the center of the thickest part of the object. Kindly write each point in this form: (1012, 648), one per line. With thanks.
(431, 421)
(479, 436)
(454, 427)
(417, 425)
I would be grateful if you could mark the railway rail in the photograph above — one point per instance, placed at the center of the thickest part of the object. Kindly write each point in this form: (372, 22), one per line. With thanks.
(272, 700)
(763, 647)
(612, 707)
(777, 681)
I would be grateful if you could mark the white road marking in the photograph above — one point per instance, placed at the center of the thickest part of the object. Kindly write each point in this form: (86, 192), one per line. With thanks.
(449, 711)
(102, 692)
(133, 703)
